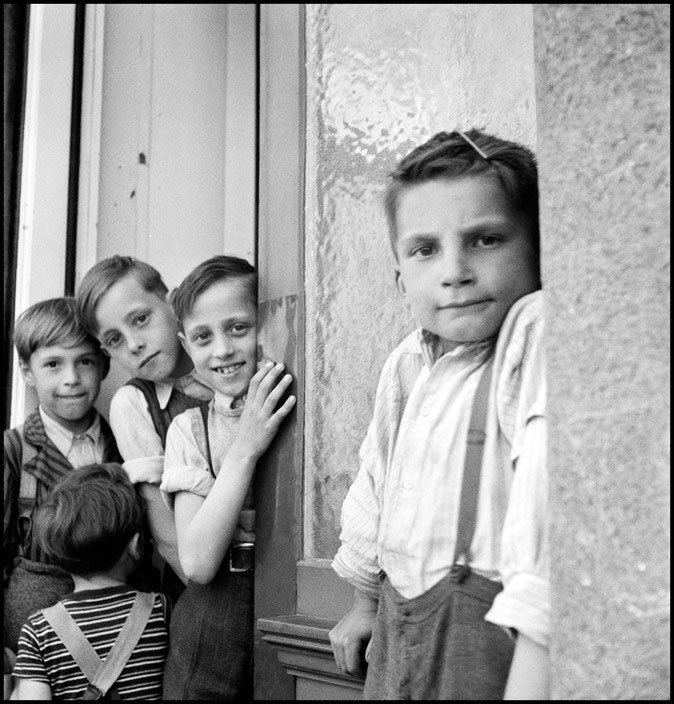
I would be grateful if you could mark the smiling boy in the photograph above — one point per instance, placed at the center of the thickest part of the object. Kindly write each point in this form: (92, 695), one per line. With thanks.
(123, 302)
(65, 367)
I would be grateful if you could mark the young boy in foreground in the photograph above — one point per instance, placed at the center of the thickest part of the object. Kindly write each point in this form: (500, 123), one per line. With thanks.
(420, 551)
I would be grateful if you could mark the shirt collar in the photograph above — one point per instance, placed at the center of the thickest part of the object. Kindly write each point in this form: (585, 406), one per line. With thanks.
(189, 384)
(431, 347)
(62, 437)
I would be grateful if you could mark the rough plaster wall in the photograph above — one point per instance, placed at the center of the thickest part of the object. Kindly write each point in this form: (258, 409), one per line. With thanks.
(603, 114)
(382, 79)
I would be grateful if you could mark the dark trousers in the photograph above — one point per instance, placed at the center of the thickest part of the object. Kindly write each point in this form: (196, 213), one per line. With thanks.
(211, 641)
(438, 645)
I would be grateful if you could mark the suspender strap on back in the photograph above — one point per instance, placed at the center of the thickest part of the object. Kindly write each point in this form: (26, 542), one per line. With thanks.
(101, 675)
(470, 486)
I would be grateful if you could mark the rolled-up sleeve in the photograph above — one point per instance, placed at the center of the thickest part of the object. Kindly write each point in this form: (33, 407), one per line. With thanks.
(357, 558)
(524, 603)
(185, 466)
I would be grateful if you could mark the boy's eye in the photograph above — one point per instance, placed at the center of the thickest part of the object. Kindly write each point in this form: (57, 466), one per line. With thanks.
(488, 241)
(425, 250)
(51, 364)
(112, 341)
(240, 329)
(142, 318)
(201, 337)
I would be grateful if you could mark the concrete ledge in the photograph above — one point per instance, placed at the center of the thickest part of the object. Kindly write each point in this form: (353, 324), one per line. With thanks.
(304, 650)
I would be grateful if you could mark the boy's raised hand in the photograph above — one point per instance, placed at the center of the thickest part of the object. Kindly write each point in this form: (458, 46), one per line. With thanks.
(261, 419)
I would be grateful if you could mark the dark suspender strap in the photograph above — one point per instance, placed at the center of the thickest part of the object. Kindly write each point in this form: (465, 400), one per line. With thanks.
(470, 485)
(204, 416)
(158, 418)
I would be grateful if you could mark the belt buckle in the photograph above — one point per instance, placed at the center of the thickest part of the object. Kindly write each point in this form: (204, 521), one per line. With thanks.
(239, 548)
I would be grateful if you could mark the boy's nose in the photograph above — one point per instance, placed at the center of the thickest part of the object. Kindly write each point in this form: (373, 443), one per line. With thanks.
(135, 344)
(456, 269)
(222, 346)
(71, 374)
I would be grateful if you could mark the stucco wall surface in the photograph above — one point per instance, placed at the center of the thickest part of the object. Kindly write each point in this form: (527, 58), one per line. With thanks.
(382, 79)
(602, 87)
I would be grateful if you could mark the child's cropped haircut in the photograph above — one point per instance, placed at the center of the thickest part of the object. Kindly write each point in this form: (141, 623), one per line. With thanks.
(472, 153)
(219, 268)
(102, 276)
(88, 519)
(52, 322)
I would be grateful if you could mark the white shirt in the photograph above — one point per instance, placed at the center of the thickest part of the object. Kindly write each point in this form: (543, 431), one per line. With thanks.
(400, 515)
(186, 466)
(131, 423)
(79, 450)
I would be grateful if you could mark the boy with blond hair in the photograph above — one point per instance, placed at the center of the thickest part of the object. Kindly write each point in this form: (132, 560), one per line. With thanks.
(123, 302)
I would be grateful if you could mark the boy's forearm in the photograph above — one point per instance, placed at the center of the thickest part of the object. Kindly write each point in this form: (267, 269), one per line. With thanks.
(529, 677)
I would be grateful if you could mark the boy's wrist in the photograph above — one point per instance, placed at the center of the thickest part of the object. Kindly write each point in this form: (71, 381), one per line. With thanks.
(363, 601)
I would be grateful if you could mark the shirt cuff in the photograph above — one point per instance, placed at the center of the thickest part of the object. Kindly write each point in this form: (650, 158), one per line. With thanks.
(371, 587)
(145, 469)
(524, 604)
(193, 479)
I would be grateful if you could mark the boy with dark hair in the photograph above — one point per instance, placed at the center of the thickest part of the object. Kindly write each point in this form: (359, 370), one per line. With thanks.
(92, 527)
(65, 366)
(124, 303)
(211, 456)
(443, 530)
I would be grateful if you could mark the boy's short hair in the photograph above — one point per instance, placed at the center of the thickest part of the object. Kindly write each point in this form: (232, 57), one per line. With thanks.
(89, 517)
(449, 155)
(102, 276)
(54, 321)
(202, 277)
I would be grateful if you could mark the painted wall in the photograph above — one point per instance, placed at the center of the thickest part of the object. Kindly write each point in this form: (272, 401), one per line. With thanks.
(382, 79)
(177, 138)
(603, 117)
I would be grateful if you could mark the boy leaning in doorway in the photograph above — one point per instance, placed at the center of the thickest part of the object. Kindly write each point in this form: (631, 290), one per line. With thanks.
(92, 526)
(65, 367)
(211, 457)
(123, 302)
(447, 547)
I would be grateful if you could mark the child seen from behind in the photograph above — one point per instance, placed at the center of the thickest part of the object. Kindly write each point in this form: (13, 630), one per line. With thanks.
(443, 530)
(92, 526)
(210, 460)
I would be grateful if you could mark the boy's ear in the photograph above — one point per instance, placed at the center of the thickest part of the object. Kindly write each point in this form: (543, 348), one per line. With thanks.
(399, 282)
(26, 373)
(135, 546)
(183, 341)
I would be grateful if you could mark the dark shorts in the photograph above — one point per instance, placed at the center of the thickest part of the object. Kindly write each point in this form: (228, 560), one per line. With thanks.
(438, 645)
(211, 648)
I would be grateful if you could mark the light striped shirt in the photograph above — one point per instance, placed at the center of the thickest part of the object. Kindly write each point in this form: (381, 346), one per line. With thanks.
(100, 613)
(400, 515)
(79, 450)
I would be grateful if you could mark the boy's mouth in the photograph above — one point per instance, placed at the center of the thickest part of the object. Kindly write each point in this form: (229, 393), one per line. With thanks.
(229, 369)
(465, 304)
(147, 359)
